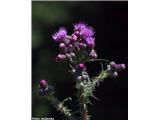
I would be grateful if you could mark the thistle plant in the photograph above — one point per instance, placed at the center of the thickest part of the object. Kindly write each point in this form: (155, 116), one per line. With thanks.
(76, 50)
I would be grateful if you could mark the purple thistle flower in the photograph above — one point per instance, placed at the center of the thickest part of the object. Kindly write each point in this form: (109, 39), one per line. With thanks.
(90, 42)
(80, 26)
(87, 32)
(60, 35)
(83, 30)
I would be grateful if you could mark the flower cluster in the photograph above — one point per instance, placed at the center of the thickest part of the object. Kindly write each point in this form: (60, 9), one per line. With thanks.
(77, 47)
(114, 68)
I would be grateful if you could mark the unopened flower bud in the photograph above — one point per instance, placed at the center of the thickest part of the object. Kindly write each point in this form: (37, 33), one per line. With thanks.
(66, 41)
(115, 74)
(72, 54)
(61, 57)
(82, 45)
(81, 66)
(113, 65)
(84, 77)
(79, 78)
(74, 37)
(43, 84)
(121, 66)
(93, 54)
(70, 48)
(62, 45)
(68, 56)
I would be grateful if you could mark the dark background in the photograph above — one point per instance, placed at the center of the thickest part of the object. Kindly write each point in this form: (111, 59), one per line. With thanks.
(110, 21)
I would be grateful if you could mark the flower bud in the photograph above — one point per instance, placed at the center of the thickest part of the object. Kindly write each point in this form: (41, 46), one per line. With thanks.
(68, 56)
(113, 65)
(72, 54)
(74, 37)
(70, 48)
(121, 67)
(62, 45)
(73, 71)
(61, 57)
(77, 33)
(43, 84)
(66, 41)
(82, 45)
(115, 74)
(81, 66)
(93, 54)
(79, 78)
(84, 77)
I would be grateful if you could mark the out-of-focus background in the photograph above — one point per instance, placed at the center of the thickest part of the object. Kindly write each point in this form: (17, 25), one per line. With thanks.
(110, 21)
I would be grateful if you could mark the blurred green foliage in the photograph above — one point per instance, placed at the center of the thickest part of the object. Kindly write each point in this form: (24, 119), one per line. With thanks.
(47, 14)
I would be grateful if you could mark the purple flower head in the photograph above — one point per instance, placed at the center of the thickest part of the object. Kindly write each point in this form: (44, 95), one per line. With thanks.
(87, 32)
(83, 30)
(80, 26)
(43, 84)
(60, 35)
(90, 42)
